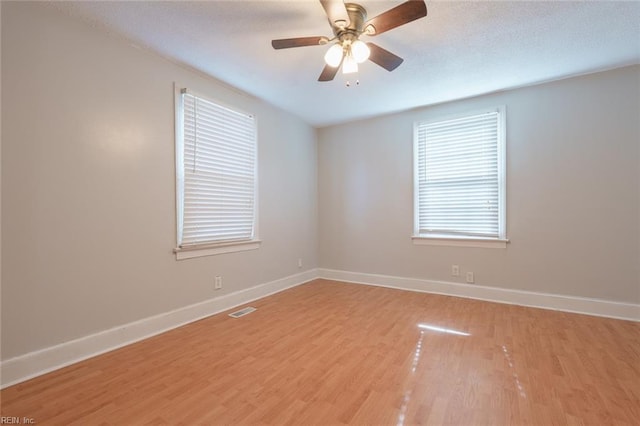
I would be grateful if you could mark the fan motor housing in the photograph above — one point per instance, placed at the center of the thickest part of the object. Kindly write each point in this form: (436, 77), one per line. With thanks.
(357, 17)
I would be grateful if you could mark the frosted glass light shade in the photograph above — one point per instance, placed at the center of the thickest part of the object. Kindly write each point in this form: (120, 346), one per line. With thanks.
(360, 51)
(333, 55)
(349, 65)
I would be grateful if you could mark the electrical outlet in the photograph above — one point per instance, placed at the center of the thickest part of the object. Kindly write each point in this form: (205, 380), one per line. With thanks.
(455, 271)
(300, 263)
(470, 278)
(218, 282)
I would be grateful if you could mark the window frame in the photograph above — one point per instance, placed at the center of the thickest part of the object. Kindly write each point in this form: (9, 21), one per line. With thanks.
(463, 240)
(207, 248)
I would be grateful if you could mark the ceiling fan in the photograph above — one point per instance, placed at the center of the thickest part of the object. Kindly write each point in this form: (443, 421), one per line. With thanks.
(348, 22)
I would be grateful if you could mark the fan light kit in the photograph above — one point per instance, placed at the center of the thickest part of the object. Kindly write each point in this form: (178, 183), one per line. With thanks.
(352, 53)
(348, 22)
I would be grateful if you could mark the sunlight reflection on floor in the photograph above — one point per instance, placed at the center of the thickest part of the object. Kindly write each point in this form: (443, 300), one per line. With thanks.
(416, 358)
(442, 330)
(507, 356)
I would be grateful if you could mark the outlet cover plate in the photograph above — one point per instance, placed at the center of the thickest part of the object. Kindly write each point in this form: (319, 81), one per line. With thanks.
(470, 277)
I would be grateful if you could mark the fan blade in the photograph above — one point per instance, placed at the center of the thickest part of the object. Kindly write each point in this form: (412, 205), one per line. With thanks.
(286, 43)
(336, 11)
(383, 57)
(399, 15)
(329, 72)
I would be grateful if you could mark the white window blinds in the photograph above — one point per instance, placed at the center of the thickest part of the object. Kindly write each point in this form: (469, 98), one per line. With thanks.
(216, 174)
(460, 176)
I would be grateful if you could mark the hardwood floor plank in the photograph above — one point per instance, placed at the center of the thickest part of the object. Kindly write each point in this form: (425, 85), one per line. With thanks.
(336, 353)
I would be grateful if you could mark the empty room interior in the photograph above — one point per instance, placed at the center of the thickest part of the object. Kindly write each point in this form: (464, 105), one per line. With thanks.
(320, 212)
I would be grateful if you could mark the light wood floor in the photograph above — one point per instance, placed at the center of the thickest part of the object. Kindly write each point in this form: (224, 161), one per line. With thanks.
(335, 353)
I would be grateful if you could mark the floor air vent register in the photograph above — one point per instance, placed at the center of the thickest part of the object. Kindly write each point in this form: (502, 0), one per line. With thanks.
(242, 312)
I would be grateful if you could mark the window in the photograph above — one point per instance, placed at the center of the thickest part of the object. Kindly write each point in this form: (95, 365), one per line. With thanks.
(216, 177)
(459, 191)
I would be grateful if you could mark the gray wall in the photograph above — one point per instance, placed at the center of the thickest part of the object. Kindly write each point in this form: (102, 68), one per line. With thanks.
(88, 186)
(573, 178)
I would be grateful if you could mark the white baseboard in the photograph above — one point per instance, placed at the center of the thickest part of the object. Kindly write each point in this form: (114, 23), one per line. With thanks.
(24, 367)
(581, 305)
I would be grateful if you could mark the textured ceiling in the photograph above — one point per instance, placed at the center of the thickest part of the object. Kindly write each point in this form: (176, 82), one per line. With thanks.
(460, 49)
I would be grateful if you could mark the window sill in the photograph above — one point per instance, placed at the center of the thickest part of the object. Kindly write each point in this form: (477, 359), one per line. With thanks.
(214, 249)
(433, 240)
